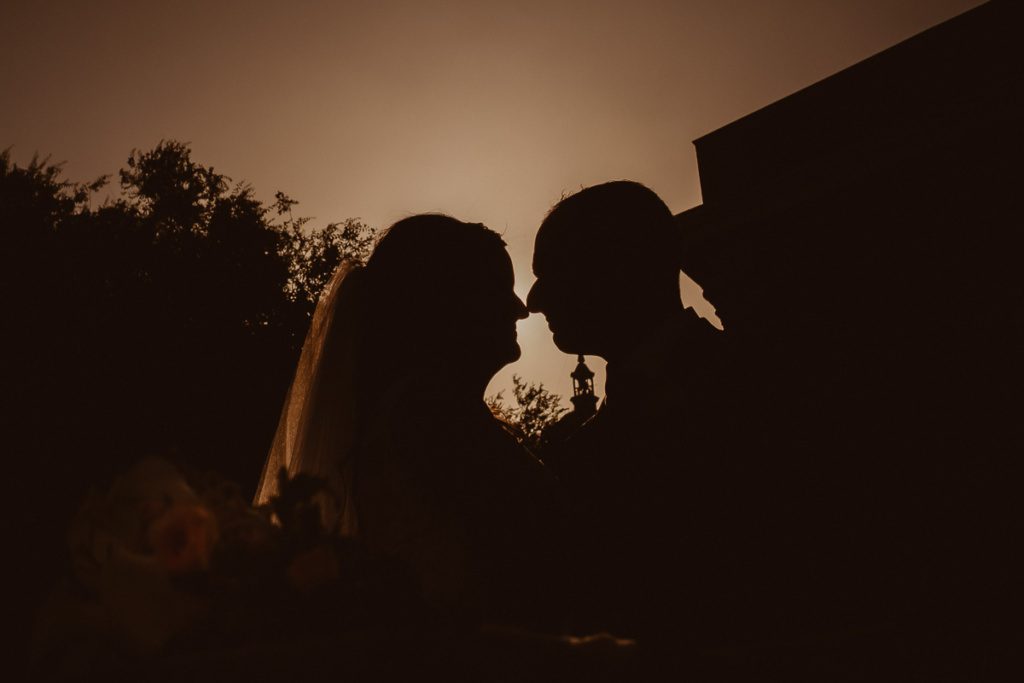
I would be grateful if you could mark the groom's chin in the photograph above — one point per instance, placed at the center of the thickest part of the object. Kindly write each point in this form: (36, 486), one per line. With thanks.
(564, 344)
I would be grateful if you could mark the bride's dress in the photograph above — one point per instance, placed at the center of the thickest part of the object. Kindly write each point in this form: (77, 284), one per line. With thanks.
(423, 473)
(442, 486)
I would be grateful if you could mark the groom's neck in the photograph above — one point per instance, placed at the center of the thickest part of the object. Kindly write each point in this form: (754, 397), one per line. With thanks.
(630, 334)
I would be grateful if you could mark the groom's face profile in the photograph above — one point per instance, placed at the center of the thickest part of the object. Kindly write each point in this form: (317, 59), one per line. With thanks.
(569, 291)
(606, 261)
(606, 264)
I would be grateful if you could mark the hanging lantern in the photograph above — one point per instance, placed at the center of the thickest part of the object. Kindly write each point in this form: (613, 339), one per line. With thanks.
(584, 400)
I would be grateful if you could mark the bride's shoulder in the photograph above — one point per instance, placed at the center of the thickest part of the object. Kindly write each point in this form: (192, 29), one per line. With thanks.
(416, 409)
(423, 413)
(411, 399)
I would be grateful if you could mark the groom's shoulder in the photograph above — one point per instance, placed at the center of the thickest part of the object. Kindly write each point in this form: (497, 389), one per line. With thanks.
(690, 356)
(564, 430)
(572, 439)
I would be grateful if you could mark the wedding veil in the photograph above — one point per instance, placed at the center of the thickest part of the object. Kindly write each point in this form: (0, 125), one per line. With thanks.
(317, 431)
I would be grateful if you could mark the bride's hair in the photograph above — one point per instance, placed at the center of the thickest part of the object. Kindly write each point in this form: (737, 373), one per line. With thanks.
(374, 325)
(422, 274)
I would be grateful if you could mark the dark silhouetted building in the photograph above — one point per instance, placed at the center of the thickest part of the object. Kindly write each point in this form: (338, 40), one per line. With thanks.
(860, 241)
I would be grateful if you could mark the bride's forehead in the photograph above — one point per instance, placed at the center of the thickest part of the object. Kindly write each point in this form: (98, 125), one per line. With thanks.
(481, 275)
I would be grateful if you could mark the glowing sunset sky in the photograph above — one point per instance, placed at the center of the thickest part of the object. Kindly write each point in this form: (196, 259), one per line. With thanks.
(486, 111)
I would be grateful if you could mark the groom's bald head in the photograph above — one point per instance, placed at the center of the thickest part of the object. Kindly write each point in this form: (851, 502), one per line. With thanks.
(603, 256)
(613, 223)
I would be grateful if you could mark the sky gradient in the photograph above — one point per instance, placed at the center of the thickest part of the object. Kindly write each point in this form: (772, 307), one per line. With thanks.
(378, 110)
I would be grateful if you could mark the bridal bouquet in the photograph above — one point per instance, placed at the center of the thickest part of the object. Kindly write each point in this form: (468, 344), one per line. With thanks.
(168, 565)
(175, 576)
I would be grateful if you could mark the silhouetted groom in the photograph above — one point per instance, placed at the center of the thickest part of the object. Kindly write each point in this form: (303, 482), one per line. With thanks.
(663, 490)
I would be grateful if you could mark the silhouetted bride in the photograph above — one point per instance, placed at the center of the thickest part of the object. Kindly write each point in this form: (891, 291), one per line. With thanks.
(387, 405)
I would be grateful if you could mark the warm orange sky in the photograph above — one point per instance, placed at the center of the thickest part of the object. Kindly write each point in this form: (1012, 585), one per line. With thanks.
(486, 111)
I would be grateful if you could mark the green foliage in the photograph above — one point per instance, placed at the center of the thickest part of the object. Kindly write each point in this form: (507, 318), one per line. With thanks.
(170, 189)
(166, 319)
(39, 186)
(314, 255)
(535, 410)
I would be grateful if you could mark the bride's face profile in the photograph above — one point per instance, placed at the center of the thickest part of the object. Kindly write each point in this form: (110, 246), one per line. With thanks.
(442, 298)
(485, 319)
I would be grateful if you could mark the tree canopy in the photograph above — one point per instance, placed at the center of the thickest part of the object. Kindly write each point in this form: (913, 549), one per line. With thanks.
(533, 411)
(165, 318)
